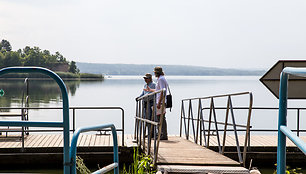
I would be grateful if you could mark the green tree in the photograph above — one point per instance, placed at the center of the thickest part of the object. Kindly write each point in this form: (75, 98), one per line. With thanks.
(26, 51)
(34, 58)
(73, 68)
(1, 60)
(60, 58)
(5, 45)
(12, 59)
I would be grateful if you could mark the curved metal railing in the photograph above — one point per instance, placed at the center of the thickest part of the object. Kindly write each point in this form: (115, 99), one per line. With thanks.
(64, 124)
(69, 156)
(73, 149)
(283, 130)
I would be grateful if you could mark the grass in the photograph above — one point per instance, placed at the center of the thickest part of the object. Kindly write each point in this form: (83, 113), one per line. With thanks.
(141, 164)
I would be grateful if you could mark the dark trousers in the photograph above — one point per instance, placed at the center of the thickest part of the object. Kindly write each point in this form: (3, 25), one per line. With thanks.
(164, 134)
(148, 115)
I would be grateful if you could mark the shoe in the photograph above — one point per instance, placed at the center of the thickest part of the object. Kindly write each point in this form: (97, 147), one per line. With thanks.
(163, 138)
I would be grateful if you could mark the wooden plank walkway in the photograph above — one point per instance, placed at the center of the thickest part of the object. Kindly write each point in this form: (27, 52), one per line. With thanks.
(92, 140)
(56, 140)
(256, 141)
(179, 151)
(178, 155)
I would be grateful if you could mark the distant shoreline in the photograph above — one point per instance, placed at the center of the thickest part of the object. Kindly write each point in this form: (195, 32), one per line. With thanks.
(62, 75)
(175, 70)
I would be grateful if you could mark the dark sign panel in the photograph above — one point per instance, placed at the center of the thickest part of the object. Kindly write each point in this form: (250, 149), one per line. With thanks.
(296, 85)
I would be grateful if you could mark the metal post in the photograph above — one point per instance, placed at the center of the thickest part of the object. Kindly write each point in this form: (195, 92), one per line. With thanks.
(136, 114)
(122, 118)
(188, 126)
(209, 121)
(73, 119)
(282, 121)
(182, 107)
(298, 122)
(247, 141)
(225, 126)
(198, 121)
(203, 125)
(216, 125)
(192, 121)
(235, 131)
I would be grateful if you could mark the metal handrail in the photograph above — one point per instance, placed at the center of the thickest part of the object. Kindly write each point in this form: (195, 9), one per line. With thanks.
(283, 130)
(298, 115)
(69, 158)
(64, 124)
(198, 127)
(141, 123)
(73, 149)
(73, 108)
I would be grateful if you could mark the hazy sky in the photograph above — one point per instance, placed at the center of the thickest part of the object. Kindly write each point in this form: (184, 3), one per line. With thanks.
(216, 33)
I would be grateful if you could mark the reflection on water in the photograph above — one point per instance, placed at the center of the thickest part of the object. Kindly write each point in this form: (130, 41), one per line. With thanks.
(121, 91)
(40, 91)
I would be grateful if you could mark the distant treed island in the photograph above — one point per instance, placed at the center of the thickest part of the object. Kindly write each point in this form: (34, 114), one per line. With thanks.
(178, 70)
(43, 58)
(75, 70)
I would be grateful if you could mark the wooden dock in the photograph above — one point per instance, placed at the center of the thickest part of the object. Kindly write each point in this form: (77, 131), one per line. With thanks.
(56, 140)
(178, 155)
(176, 151)
(179, 151)
(96, 140)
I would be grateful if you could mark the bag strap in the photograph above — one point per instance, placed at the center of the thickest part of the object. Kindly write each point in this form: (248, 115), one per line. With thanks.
(168, 88)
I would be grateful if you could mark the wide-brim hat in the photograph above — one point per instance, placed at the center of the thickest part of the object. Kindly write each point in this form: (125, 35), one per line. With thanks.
(147, 76)
(158, 70)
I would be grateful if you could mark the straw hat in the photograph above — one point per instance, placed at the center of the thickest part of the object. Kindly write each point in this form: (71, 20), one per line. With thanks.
(158, 70)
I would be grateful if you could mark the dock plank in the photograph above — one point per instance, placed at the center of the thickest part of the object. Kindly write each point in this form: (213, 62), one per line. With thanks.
(54, 140)
(47, 140)
(60, 141)
(39, 141)
(98, 140)
(189, 153)
(83, 141)
(79, 139)
(88, 139)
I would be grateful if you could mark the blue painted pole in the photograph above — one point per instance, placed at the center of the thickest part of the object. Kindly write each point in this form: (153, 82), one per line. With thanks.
(282, 121)
(62, 86)
(73, 149)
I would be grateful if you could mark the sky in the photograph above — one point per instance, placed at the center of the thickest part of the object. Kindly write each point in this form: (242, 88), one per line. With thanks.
(244, 34)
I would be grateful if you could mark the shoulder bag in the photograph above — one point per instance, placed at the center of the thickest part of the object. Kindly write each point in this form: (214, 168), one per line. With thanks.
(169, 99)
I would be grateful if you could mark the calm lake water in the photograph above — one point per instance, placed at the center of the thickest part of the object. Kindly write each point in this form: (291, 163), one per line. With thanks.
(122, 90)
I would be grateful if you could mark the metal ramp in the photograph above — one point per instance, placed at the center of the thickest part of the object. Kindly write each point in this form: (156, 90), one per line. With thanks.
(178, 155)
(201, 169)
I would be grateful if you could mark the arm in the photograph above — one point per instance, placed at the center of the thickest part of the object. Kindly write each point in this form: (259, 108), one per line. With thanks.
(163, 84)
(160, 100)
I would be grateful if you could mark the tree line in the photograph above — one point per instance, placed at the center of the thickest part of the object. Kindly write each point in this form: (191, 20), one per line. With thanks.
(33, 57)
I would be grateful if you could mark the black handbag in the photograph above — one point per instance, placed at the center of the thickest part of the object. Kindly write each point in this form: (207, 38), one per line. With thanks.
(169, 99)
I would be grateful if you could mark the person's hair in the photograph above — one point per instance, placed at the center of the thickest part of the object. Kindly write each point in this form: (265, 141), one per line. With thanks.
(160, 73)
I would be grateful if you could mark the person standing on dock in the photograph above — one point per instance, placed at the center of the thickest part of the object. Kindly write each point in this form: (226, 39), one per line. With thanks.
(161, 84)
(152, 85)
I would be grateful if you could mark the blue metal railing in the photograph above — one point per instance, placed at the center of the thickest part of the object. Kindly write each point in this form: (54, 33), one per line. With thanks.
(64, 124)
(73, 149)
(69, 156)
(283, 130)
